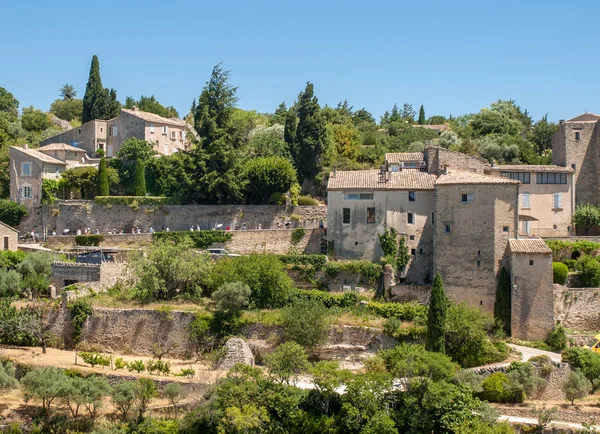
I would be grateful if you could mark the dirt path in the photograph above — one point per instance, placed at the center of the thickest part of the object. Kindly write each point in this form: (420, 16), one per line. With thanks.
(66, 359)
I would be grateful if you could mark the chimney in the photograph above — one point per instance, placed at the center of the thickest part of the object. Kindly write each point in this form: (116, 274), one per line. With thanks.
(445, 170)
(334, 172)
(562, 121)
(135, 108)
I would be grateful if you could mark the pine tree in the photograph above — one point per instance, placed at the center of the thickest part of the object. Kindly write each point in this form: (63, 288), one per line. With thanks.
(502, 305)
(93, 91)
(139, 182)
(435, 339)
(422, 120)
(102, 189)
(280, 114)
(311, 134)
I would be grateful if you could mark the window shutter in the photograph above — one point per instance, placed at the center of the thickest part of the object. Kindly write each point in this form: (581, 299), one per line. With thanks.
(526, 200)
(557, 200)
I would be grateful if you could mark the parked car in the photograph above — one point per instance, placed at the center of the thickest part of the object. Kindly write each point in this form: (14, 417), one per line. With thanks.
(221, 252)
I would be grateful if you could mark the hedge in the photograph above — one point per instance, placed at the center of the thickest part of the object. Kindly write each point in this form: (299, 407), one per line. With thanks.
(402, 311)
(201, 239)
(11, 212)
(140, 200)
(89, 240)
(367, 269)
(586, 360)
(562, 250)
(348, 299)
(561, 272)
(317, 261)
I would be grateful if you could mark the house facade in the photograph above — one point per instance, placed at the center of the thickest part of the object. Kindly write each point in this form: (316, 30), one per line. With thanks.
(167, 135)
(9, 237)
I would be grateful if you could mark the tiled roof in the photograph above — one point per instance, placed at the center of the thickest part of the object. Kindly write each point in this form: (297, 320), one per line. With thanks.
(528, 245)
(370, 180)
(9, 227)
(456, 178)
(529, 168)
(60, 147)
(586, 117)
(151, 117)
(34, 153)
(434, 127)
(404, 156)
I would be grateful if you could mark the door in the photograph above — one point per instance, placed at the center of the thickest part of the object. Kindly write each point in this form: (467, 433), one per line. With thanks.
(525, 227)
(109, 151)
(5, 243)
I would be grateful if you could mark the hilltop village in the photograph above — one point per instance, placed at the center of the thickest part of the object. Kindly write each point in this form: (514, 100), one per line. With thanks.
(306, 270)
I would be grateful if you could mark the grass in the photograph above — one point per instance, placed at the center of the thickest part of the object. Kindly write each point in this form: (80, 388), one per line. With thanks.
(121, 302)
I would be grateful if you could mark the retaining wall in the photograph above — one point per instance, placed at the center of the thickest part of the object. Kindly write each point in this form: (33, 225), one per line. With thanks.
(577, 308)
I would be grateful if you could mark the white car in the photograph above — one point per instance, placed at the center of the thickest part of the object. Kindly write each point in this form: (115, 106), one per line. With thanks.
(221, 252)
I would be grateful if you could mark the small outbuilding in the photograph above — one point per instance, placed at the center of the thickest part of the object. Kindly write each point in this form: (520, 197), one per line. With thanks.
(9, 237)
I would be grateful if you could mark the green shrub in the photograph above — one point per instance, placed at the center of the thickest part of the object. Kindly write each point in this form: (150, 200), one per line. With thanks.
(562, 250)
(140, 200)
(561, 272)
(316, 261)
(495, 388)
(557, 339)
(586, 360)
(307, 201)
(186, 372)
(367, 269)
(403, 331)
(413, 361)
(402, 311)
(590, 272)
(89, 240)
(305, 322)
(297, 235)
(94, 359)
(572, 264)
(545, 364)
(11, 212)
(10, 259)
(200, 239)
(136, 366)
(120, 363)
(80, 310)
(159, 366)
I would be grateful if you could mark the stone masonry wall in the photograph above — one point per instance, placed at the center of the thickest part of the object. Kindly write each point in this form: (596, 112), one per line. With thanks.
(75, 215)
(71, 271)
(577, 309)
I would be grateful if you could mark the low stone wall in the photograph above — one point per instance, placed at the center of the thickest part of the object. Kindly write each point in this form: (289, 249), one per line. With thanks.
(577, 308)
(79, 214)
(337, 283)
(407, 293)
(64, 273)
(277, 241)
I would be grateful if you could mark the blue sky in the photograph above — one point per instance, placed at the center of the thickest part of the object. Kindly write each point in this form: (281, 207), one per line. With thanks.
(452, 57)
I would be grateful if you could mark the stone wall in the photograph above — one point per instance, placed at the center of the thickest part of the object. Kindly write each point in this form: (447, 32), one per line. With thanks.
(67, 273)
(80, 214)
(577, 308)
(407, 293)
(438, 158)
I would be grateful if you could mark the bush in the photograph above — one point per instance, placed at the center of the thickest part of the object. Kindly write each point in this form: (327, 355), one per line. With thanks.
(287, 362)
(10, 259)
(200, 239)
(11, 212)
(402, 331)
(140, 200)
(94, 359)
(557, 339)
(89, 240)
(327, 299)
(544, 363)
(306, 323)
(366, 269)
(316, 261)
(495, 388)
(80, 310)
(590, 272)
(402, 311)
(307, 201)
(297, 235)
(577, 386)
(232, 297)
(413, 361)
(561, 272)
(120, 363)
(136, 366)
(585, 360)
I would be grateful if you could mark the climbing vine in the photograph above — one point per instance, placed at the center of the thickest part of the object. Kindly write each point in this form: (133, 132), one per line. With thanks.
(80, 311)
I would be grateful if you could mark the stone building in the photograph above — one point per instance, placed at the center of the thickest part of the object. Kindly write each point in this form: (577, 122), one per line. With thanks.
(167, 135)
(9, 237)
(576, 145)
(29, 167)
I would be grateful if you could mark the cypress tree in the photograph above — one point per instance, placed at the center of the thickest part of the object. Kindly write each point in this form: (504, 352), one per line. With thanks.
(102, 189)
(139, 182)
(311, 134)
(422, 120)
(435, 340)
(93, 91)
(502, 305)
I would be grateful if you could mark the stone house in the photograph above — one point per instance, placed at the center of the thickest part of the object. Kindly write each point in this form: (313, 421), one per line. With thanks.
(28, 167)
(167, 135)
(546, 198)
(9, 236)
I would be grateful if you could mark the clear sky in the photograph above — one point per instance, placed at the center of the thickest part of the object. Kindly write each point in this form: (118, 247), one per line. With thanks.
(454, 57)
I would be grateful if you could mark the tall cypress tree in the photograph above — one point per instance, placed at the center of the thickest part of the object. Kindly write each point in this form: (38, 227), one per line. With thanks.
(102, 188)
(289, 132)
(502, 305)
(422, 120)
(311, 134)
(139, 182)
(435, 340)
(93, 91)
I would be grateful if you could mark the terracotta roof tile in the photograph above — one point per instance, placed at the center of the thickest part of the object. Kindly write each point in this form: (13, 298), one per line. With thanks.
(39, 155)
(456, 178)
(586, 117)
(151, 117)
(528, 245)
(370, 180)
(59, 147)
(528, 168)
(404, 156)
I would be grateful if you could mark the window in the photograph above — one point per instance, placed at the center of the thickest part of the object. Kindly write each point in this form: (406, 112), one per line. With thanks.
(525, 201)
(79, 131)
(577, 135)
(182, 133)
(411, 237)
(26, 168)
(165, 129)
(412, 196)
(413, 252)
(166, 149)
(157, 144)
(173, 135)
(505, 229)
(432, 219)
(410, 218)
(557, 200)
(467, 197)
(358, 196)
(551, 178)
(101, 129)
(6, 242)
(114, 131)
(346, 216)
(26, 192)
(519, 176)
(151, 128)
(531, 262)
(555, 227)
(447, 229)
(370, 215)
(420, 251)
